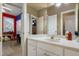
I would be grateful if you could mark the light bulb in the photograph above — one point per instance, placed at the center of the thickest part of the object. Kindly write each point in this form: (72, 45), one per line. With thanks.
(58, 4)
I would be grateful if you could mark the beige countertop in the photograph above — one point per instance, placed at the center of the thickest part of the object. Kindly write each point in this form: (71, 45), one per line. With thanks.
(62, 42)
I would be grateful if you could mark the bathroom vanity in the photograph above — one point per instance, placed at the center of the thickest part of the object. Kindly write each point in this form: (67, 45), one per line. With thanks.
(45, 46)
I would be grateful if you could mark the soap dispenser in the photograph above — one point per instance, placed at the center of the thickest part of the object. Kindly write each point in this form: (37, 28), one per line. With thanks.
(69, 35)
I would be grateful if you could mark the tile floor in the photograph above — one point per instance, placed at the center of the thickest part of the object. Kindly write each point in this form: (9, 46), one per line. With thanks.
(11, 48)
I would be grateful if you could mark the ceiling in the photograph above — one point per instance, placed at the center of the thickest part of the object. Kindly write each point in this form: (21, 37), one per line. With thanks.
(38, 6)
(15, 8)
(19, 5)
(70, 13)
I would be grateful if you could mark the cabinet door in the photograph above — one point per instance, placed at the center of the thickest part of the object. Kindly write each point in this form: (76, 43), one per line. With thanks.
(31, 50)
(41, 52)
(51, 48)
(32, 42)
(70, 52)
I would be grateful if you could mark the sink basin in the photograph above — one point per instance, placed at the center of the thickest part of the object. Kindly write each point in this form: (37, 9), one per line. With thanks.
(55, 40)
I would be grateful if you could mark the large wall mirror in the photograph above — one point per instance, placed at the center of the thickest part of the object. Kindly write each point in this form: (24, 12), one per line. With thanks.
(52, 25)
(68, 21)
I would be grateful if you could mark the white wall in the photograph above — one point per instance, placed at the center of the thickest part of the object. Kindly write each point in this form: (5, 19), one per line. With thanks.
(27, 23)
(40, 25)
(24, 30)
(18, 26)
(0, 30)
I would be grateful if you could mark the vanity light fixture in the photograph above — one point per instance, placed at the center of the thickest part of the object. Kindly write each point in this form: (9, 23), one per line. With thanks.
(33, 23)
(58, 4)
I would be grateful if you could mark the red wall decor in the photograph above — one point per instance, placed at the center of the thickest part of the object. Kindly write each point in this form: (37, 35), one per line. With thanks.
(9, 16)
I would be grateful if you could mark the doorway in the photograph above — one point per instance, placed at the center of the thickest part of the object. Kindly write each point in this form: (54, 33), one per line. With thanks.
(11, 29)
(33, 24)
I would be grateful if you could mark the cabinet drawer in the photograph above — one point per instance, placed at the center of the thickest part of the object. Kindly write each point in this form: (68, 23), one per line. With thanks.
(51, 48)
(70, 52)
(41, 52)
(31, 42)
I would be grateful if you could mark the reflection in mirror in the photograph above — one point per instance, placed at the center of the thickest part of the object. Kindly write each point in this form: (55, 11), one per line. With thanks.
(69, 22)
(52, 25)
(34, 26)
(8, 24)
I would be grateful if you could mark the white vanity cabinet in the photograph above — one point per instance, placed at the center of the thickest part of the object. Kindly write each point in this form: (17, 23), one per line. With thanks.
(42, 52)
(32, 48)
(70, 52)
(31, 51)
(42, 48)
(54, 49)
